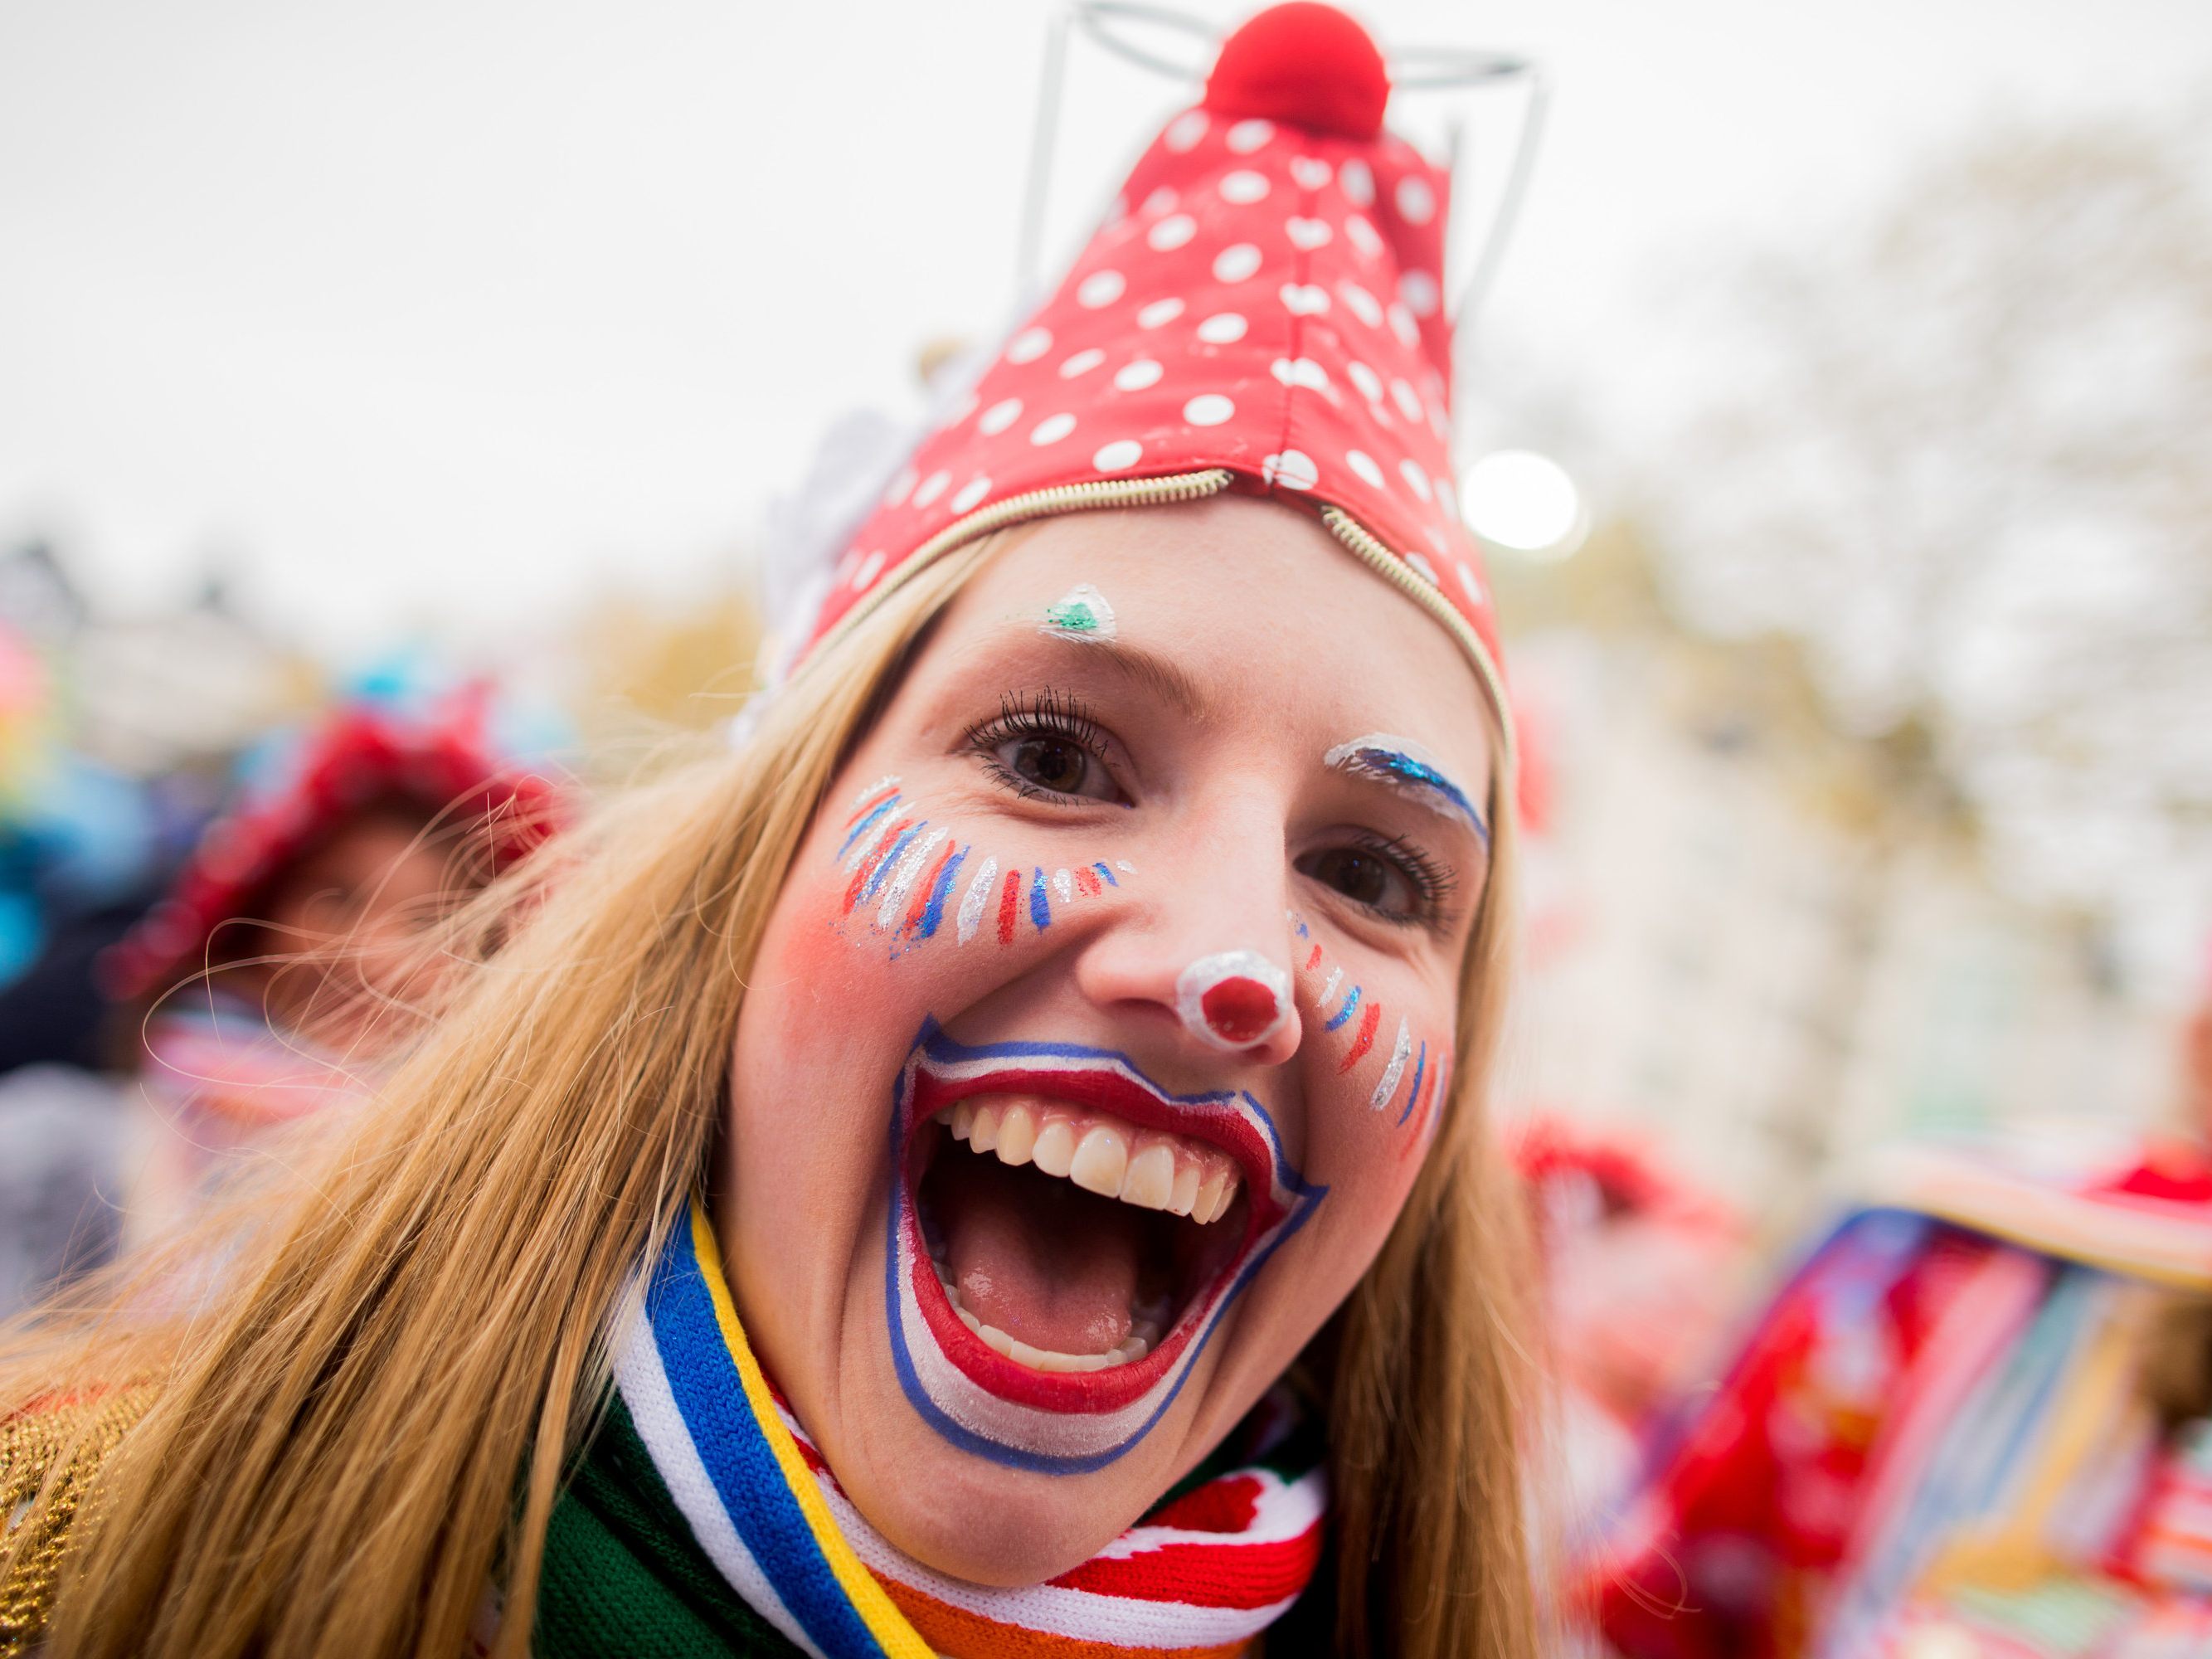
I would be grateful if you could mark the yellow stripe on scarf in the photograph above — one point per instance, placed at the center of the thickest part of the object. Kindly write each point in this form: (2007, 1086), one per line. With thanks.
(885, 1621)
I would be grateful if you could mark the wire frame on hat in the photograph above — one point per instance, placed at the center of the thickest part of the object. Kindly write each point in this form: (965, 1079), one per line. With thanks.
(1175, 46)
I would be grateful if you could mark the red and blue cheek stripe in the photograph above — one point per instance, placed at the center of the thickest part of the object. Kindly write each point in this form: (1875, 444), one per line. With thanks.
(911, 872)
(1340, 1004)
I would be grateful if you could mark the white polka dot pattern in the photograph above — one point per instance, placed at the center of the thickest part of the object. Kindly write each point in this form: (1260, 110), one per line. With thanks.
(1171, 233)
(1271, 306)
(1236, 261)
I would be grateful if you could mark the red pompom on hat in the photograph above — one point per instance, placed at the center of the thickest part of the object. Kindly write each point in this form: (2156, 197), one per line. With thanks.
(1262, 311)
(1305, 66)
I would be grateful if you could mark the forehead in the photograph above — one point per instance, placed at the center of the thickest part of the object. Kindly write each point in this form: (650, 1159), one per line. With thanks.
(1259, 602)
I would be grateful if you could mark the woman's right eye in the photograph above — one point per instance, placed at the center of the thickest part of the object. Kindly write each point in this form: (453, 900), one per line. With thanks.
(1046, 746)
(1058, 764)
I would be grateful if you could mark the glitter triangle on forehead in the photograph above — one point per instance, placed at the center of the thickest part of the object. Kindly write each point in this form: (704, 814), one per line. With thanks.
(1082, 613)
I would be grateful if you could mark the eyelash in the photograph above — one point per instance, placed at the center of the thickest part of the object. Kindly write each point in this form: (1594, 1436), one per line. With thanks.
(1432, 880)
(1047, 713)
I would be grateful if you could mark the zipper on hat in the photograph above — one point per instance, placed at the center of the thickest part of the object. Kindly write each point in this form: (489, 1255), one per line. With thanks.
(1378, 557)
(1049, 502)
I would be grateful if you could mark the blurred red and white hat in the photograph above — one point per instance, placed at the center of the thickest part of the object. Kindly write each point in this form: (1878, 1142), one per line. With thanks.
(441, 760)
(1262, 311)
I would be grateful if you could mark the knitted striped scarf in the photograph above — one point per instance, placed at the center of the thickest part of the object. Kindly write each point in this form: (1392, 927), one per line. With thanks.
(703, 1520)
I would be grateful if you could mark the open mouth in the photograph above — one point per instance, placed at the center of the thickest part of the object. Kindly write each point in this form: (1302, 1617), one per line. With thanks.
(1064, 1237)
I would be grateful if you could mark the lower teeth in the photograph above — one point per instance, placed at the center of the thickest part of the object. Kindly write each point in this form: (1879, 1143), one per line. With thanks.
(1144, 1336)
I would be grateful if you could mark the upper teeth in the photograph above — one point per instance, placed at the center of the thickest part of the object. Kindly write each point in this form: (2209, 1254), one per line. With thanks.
(1151, 1168)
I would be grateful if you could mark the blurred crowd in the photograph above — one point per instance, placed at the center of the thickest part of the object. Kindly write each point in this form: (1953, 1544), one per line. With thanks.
(212, 878)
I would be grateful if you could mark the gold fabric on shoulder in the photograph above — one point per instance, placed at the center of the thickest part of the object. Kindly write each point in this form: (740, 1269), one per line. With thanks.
(61, 1440)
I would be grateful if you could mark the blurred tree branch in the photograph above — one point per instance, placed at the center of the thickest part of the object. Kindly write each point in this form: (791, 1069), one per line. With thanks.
(1964, 452)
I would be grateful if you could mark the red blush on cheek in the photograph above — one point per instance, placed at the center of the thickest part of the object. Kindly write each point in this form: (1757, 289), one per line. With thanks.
(814, 952)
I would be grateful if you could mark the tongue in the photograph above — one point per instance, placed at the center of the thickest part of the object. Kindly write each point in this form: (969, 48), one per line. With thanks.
(1047, 1262)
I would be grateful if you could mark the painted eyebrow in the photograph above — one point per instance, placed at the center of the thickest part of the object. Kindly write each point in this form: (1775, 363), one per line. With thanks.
(1403, 765)
(1146, 670)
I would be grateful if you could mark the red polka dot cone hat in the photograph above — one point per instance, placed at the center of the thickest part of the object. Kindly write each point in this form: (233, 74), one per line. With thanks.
(1262, 311)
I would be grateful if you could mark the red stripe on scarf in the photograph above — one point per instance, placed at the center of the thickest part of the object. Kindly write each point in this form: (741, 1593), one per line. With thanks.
(955, 1630)
(1225, 1575)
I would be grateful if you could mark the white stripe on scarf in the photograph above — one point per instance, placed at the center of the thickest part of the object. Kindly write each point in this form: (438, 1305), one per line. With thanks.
(1284, 1511)
(644, 1384)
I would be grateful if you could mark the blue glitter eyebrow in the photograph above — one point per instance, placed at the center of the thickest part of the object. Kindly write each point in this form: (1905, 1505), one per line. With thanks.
(1404, 764)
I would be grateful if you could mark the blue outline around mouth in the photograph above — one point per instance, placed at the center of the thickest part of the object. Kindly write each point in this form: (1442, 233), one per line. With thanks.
(932, 1043)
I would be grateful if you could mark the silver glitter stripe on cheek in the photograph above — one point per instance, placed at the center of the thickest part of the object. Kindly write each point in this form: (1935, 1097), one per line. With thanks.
(977, 895)
(1063, 884)
(1328, 985)
(877, 788)
(870, 839)
(903, 878)
(1396, 1069)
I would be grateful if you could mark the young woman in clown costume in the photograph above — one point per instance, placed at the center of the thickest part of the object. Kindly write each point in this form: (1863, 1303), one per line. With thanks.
(994, 1165)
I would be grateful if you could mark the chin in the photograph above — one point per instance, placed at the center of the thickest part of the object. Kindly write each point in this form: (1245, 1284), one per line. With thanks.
(982, 1525)
(1064, 1239)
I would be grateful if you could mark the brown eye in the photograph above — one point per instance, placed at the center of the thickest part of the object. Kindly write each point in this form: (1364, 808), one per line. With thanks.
(1059, 764)
(1363, 876)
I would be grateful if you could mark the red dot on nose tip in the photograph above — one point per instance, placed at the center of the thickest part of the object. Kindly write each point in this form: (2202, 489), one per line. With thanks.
(1239, 1010)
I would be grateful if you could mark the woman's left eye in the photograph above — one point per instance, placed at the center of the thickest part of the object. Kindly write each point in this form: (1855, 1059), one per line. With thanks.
(1397, 882)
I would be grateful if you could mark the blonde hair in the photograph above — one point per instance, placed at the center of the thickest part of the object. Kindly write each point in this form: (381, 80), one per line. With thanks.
(362, 1427)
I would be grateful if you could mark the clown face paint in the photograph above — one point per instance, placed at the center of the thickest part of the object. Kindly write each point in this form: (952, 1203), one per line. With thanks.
(1233, 998)
(1344, 1011)
(978, 1070)
(904, 873)
(1404, 766)
(1082, 613)
(1059, 1411)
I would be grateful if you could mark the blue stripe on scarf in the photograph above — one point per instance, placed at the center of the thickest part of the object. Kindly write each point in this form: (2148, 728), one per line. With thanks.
(738, 1459)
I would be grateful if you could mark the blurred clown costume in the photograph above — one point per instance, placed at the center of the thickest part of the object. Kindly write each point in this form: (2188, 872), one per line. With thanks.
(1974, 1423)
(224, 1063)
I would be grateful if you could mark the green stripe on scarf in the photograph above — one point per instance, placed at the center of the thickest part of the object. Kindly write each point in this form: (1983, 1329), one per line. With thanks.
(624, 1575)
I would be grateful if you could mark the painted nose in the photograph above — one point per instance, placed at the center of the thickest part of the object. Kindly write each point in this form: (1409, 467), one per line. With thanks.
(1235, 999)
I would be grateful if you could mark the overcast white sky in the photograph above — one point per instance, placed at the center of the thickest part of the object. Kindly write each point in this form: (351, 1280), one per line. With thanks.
(449, 311)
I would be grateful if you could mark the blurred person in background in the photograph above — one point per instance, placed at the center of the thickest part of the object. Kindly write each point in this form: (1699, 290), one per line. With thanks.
(235, 1002)
(993, 1162)
(1975, 1423)
(247, 994)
